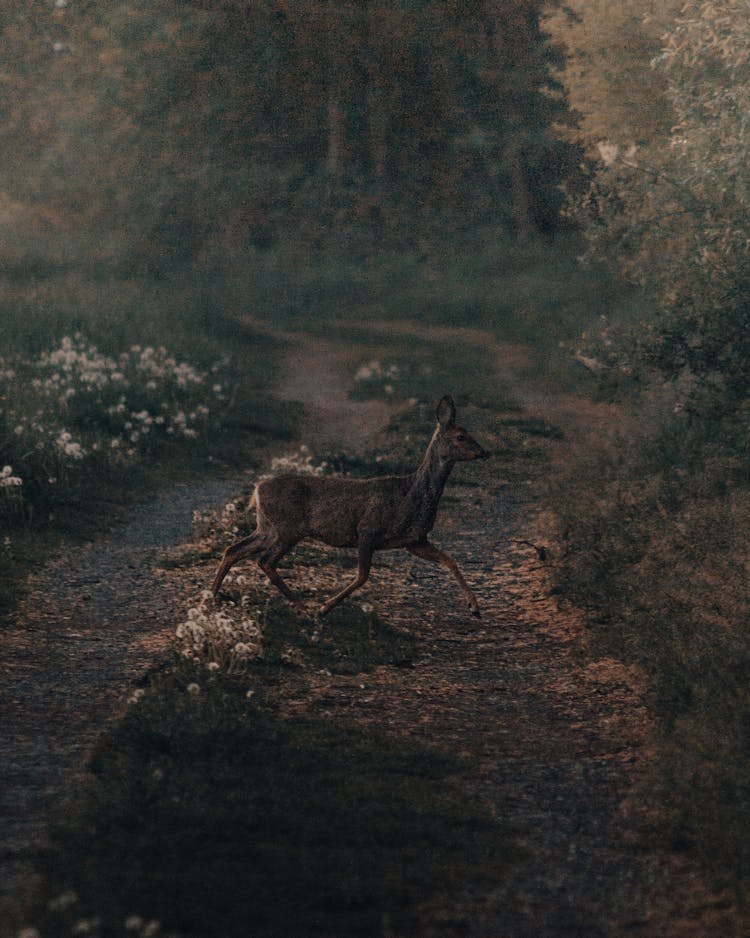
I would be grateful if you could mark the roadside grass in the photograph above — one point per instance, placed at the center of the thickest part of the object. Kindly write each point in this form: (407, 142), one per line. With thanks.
(653, 527)
(83, 416)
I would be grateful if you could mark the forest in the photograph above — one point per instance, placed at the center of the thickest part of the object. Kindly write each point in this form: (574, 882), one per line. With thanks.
(187, 132)
(242, 237)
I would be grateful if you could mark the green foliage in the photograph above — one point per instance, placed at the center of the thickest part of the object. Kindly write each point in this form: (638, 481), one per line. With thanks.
(673, 213)
(655, 525)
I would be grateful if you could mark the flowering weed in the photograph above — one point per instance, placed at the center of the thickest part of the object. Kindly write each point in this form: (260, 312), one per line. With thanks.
(74, 407)
(224, 639)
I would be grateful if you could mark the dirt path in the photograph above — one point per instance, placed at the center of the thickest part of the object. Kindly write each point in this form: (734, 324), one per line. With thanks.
(551, 743)
(334, 421)
(91, 624)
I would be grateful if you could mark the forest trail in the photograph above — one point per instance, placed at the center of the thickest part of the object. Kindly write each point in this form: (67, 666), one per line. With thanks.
(550, 742)
(333, 420)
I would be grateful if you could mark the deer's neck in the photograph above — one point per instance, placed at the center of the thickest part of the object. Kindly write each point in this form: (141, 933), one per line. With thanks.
(429, 481)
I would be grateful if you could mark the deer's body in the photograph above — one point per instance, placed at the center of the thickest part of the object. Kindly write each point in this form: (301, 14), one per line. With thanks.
(367, 514)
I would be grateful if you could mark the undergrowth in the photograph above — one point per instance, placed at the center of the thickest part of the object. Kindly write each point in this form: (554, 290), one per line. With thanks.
(654, 527)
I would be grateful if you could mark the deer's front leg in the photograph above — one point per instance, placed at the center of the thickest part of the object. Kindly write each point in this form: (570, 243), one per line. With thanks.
(364, 557)
(427, 551)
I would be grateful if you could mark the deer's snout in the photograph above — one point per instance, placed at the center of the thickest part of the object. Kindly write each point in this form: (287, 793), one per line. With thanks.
(484, 454)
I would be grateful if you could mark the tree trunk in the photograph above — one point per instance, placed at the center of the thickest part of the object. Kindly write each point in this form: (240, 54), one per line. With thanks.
(335, 133)
(378, 126)
(519, 191)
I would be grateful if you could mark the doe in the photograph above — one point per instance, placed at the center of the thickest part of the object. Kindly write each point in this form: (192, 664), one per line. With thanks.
(368, 514)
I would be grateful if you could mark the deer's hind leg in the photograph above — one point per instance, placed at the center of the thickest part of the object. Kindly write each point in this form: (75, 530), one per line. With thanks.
(427, 551)
(267, 563)
(238, 551)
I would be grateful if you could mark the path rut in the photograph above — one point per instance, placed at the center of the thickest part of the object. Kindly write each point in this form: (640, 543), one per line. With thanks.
(91, 623)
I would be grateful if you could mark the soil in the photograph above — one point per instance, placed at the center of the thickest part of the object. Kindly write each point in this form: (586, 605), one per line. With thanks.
(552, 741)
(91, 623)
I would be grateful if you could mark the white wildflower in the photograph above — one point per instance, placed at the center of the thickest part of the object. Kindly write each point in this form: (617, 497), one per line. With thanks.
(8, 480)
(85, 926)
(64, 901)
(608, 152)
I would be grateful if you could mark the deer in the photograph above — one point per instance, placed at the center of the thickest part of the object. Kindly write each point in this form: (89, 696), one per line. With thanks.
(379, 513)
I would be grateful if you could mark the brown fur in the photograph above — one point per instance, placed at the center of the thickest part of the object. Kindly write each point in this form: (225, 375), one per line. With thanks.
(366, 514)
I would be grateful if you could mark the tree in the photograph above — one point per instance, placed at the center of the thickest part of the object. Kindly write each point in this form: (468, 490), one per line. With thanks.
(616, 94)
(673, 212)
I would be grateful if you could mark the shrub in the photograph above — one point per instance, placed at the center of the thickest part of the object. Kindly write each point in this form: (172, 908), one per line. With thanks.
(73, 408)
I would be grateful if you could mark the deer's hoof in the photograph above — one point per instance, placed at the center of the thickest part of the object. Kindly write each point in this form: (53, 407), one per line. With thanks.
(476, 613)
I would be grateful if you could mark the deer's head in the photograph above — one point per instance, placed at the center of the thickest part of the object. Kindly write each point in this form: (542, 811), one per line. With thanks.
(455, 443)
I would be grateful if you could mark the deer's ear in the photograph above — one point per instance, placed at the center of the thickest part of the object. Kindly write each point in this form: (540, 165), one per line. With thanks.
(446, 412)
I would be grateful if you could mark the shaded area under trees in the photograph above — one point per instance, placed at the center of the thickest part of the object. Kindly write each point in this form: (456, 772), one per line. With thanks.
(205, 129)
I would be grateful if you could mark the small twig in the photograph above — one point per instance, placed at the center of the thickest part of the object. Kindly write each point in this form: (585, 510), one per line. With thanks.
(542, 552)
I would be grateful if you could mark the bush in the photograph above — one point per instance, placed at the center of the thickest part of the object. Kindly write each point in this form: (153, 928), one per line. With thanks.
(74, 409)
(654, 529)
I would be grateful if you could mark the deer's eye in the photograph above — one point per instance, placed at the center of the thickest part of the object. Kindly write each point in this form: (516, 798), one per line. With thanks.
(461, 438)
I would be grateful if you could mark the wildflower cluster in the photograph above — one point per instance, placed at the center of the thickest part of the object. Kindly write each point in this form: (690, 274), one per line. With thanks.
(225, 639)
(74, 405)
(299, 462)
(11, 493)
(215, 527)
(374, 374)
(393, 380)
(8, 480)
(66, 906)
